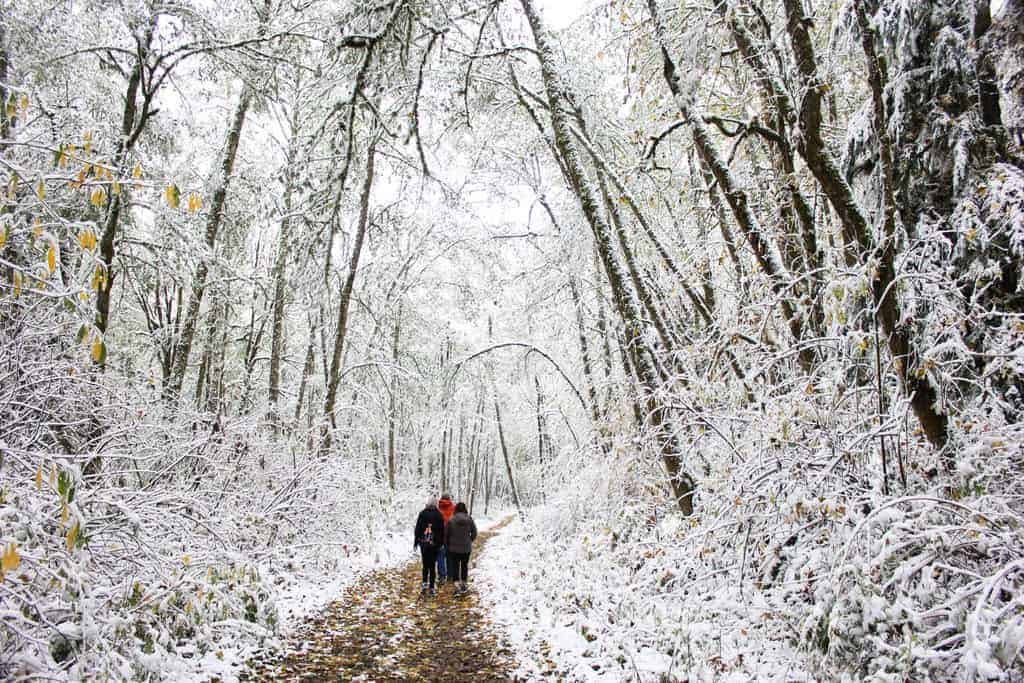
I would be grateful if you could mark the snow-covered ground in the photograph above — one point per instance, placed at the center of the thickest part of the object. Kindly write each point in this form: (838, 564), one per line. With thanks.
(571, 614)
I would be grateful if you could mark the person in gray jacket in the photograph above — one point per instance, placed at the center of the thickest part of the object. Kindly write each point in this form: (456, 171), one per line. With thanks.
(459, 534)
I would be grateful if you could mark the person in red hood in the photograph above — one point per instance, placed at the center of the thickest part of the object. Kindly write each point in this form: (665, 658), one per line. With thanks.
(446, 506)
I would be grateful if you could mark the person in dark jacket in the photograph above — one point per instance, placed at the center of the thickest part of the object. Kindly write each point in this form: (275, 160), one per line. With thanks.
(459, 535)
(428, 537)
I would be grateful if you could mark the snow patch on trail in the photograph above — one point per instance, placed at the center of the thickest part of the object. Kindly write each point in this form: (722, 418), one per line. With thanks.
(306, 590)
(301, 591)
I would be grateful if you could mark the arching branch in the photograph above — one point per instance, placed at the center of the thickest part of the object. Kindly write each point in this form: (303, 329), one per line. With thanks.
(532, 349)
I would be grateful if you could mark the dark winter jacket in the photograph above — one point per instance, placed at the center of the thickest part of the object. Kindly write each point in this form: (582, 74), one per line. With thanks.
(460, 533)
(432, 518)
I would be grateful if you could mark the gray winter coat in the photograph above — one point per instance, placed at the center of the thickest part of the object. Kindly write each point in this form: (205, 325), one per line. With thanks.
(460, 533)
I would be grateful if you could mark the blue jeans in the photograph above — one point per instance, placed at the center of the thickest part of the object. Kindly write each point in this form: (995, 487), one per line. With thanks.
(442, 564)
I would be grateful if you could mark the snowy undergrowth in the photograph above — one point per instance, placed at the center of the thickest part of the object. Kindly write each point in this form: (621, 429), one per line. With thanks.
(141, 547)
(800, 572)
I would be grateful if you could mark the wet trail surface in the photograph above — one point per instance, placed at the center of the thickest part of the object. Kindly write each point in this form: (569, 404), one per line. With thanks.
(382, 629)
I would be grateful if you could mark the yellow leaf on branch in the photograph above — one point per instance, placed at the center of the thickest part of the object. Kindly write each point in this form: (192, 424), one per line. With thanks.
(64, 513)
(115, 188)
(3, 237)
(51, 257)
(17, 281)
(194, 202)
(173, 196)
(79, 178)
(10, 559)
(137, 171)
(98, 197)
(99, 350)
(41, 190)
(98, 278)
(87, 239)
(39, 478)
(72, 536)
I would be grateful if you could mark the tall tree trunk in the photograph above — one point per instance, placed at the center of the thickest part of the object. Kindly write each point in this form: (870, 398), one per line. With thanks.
(811, 143)
(458, 465)
(213, 223)
(204, 365)
(5, 94)
(334, 374)
(508, 460)
(718, 207)
(392, 400)
(215, 376)
(487, 480)
(702, 303)
(782, 115)
(307, 368)
(604, 333)
(280, 276)
(559, 101)
(779, 278)
(632, 378)
(133, 119)
(588, 374)
(923, 397)
(542, 435)
(642, 292)
(473, 485)
(444, 456)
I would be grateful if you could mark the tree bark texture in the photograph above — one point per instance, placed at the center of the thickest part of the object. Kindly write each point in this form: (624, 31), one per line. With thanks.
(682, 483)
(334, 374)
(213, 223)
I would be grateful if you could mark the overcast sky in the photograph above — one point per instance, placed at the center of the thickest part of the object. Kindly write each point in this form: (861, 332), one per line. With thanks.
(561, 13)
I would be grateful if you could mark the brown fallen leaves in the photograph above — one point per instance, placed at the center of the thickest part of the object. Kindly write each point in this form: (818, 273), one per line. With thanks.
(383, 630)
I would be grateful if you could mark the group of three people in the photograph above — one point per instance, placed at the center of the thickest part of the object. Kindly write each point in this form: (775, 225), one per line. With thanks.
(444, 535)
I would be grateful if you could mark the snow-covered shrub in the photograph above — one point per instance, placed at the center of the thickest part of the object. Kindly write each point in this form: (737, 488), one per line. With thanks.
(796, 566)
(135, 545)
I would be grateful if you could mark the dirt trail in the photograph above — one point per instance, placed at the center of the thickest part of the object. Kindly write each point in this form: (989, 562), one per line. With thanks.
(381, 629)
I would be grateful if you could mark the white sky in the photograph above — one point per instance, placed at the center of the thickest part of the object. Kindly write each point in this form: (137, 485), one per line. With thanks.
(560, 13)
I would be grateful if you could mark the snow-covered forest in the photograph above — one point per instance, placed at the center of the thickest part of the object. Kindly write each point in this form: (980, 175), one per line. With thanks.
(723, 301)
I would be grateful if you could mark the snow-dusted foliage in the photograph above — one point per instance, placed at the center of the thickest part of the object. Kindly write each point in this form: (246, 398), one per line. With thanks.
(793, 570)
(831, 540)
(147, 548)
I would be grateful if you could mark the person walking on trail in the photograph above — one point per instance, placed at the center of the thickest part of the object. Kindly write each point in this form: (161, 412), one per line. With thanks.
(459, 536)
(428, 537)
(447, 508)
